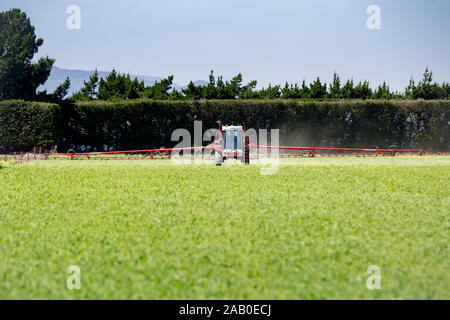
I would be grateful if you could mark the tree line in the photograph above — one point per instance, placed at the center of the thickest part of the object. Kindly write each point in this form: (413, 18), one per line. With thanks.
(121, 86)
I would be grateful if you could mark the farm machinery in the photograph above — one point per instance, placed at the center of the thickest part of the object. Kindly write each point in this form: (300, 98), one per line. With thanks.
(232, 144)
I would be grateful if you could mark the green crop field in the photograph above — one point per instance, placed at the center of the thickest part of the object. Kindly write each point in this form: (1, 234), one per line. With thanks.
(153, 230)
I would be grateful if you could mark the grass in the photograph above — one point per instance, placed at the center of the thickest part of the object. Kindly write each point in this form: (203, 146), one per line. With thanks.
(152, 230)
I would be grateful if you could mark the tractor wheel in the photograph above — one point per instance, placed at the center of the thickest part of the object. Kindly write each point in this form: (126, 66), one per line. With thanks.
(218, 158)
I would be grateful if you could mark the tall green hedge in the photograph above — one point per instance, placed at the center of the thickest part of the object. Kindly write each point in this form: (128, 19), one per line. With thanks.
(24, 125)
(141, 124)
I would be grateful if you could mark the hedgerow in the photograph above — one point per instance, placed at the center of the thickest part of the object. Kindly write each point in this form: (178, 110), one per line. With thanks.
(141, 124)
(24, 125)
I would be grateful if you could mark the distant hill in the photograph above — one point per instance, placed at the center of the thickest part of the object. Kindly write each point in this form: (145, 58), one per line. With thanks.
(77, 77)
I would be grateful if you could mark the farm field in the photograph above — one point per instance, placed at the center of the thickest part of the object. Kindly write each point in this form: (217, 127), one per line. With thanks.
(153, 230)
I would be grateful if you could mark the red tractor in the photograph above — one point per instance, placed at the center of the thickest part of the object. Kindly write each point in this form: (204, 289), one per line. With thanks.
(232, 144)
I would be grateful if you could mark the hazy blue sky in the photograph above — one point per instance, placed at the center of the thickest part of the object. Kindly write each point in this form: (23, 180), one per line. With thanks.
(270, 41)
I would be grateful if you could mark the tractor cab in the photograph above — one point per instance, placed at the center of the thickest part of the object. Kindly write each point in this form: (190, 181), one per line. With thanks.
(232, 144)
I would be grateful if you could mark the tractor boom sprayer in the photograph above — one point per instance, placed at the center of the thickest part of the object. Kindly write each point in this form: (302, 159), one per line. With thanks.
(232, 144)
